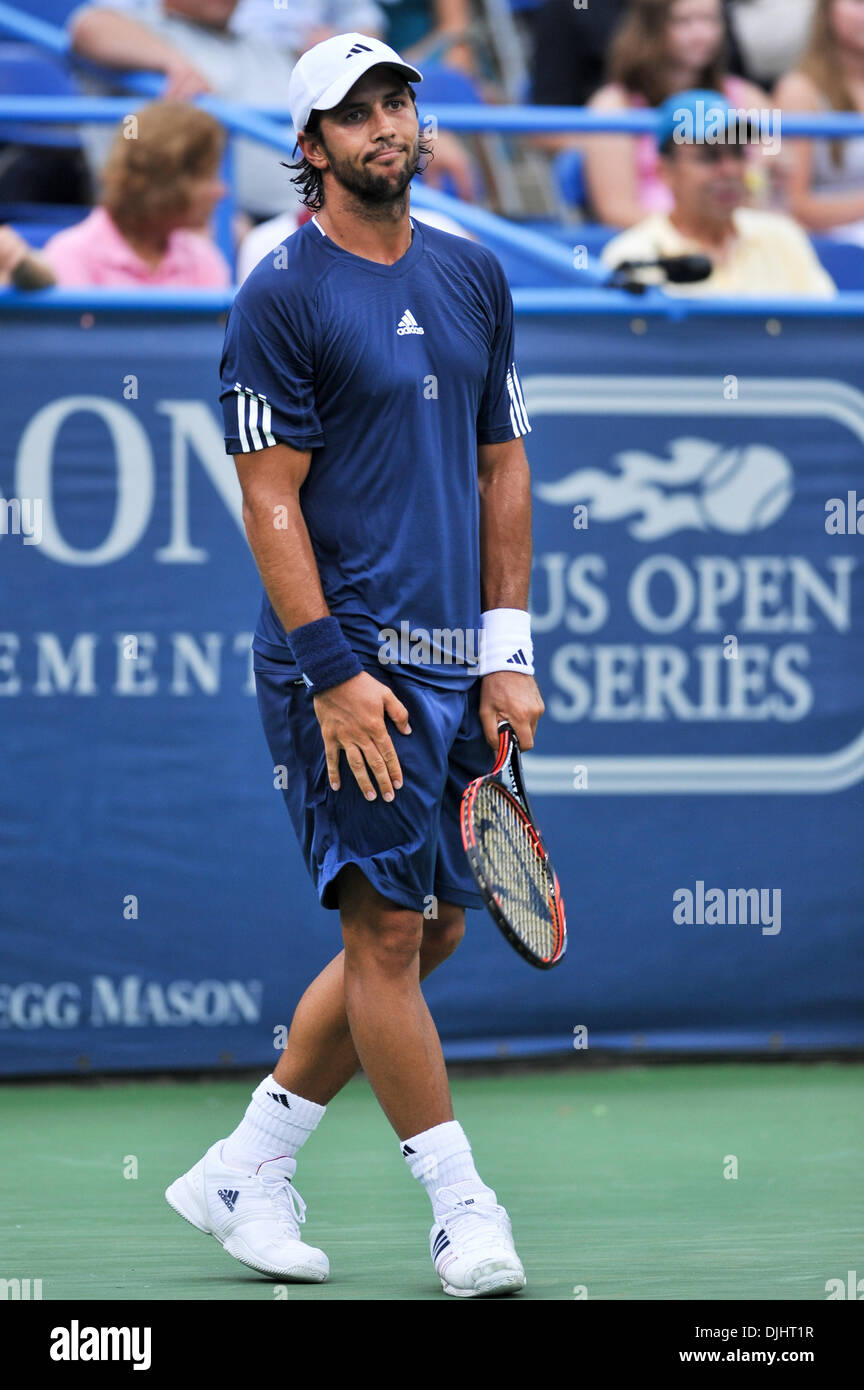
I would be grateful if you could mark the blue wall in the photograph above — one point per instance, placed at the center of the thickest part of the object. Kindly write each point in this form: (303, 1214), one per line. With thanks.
(669, 755)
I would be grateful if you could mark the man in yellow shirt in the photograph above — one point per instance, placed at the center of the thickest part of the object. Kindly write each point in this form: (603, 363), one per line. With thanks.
(703, 143)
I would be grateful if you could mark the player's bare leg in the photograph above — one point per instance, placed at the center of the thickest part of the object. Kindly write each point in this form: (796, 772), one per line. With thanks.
(320, 1056)
(391, 1027)
(471, 1242)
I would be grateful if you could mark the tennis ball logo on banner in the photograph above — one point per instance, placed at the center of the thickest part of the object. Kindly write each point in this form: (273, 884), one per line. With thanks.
(701, 487)
(691, 620)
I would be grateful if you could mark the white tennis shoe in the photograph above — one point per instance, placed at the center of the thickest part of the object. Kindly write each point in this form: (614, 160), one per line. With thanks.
(472, 1246)
(254, 1216)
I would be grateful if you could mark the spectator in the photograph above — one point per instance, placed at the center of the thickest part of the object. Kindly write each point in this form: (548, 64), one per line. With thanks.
(826, 179)
(771, 35)
(569, 58)
(159, 184)
(296, 25)
(190, 41)
(292, 25)
(417, 28)
(661, 47)
(754, 252)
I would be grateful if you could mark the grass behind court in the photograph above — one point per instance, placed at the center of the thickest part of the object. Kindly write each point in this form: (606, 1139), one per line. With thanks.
(613, 1179)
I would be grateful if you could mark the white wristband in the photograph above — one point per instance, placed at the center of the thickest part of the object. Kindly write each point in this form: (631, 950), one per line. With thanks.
(505, 641)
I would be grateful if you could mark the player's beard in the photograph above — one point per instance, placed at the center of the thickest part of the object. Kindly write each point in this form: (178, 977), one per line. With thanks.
(370, 186)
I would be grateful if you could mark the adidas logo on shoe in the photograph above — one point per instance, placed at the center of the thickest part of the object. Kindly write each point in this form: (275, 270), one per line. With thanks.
(283, 1100)
(441, 1243)
(408, 324)
(229, 1198)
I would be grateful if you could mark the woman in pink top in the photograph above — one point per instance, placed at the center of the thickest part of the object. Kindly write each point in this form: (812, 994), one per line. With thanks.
(160, 185)
(661, 47)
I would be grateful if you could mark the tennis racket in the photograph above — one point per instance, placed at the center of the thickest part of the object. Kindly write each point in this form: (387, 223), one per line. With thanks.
(509, 860)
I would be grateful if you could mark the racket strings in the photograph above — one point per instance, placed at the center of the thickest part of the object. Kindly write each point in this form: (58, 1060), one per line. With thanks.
(515, 870)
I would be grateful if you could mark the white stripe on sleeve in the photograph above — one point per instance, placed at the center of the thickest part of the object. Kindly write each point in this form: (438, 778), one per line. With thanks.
(267, 423)
(518, 386)
(253, 423)
(519, 424)
(241, 418)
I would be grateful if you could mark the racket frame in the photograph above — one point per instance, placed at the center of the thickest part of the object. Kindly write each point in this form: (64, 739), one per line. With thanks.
(508, 769)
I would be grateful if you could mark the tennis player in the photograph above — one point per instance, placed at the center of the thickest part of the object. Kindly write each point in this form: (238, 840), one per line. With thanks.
(375, 415)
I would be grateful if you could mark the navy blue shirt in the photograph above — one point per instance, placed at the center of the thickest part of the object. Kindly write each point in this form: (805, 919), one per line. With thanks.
(391, 375)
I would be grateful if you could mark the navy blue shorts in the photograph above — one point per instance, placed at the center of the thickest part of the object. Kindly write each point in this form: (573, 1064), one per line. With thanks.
(408, 848)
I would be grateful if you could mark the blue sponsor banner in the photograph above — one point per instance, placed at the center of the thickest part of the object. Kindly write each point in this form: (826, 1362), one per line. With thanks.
(697, 609)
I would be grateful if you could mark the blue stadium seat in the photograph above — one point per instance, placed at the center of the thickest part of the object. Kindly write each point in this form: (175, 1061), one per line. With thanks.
(44, 221)
(443, 84)
(569, 176)
(50, 11)
(843, 260)
(27, 71)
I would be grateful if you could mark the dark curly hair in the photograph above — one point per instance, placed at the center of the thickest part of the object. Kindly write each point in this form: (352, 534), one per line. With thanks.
(310, 181)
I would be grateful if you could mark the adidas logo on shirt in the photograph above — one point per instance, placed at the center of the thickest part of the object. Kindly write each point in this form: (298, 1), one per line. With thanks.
(229, 1198)
(408, 324)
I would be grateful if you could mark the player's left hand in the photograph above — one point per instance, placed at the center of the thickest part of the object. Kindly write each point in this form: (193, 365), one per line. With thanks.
(512, 696)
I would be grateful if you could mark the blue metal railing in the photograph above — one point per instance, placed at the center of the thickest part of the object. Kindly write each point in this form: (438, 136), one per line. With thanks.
(259, 121)
(534, 301)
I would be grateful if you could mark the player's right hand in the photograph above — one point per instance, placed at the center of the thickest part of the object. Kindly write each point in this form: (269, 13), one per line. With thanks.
(351, 716)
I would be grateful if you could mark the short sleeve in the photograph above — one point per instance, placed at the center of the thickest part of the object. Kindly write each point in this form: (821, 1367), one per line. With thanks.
(208, 268)
(267, 388)
(67, 254)
(502, 414)
(806, 274)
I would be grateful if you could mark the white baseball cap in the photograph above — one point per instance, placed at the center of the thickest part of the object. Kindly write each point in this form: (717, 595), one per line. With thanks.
(326, 73)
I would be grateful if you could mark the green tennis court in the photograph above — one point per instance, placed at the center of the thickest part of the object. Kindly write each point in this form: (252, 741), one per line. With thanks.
(613, 1178)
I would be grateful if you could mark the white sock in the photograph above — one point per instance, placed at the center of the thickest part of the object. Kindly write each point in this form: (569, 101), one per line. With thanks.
(276, 1124)
(441, 1157)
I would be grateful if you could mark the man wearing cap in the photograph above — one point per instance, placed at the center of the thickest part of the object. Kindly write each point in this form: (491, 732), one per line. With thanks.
(703, 143)
(374, 411)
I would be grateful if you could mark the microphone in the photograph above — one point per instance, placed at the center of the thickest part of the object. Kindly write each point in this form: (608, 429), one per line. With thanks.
(679, 270)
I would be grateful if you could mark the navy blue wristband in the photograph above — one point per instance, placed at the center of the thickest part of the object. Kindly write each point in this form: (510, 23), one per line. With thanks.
(323, 654)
